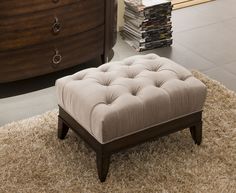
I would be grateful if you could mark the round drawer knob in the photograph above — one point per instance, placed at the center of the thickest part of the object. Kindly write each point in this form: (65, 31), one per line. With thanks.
(56, 27)
(57, 58)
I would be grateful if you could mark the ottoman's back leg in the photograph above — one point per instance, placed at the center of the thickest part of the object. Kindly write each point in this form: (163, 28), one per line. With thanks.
(196, 132)
(62, 129)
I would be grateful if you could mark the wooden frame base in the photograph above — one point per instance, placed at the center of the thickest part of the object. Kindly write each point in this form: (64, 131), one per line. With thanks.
(104, 151)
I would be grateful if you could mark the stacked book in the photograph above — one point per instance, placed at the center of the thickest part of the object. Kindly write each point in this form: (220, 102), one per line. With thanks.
(147, 24)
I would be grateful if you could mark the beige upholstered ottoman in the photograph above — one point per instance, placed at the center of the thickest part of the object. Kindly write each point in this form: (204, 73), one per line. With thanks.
(121, 104)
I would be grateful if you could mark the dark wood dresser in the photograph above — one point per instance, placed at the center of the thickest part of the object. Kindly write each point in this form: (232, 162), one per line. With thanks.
(42, 36)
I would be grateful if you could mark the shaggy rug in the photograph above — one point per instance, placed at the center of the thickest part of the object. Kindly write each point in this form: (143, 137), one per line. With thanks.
(33, 160)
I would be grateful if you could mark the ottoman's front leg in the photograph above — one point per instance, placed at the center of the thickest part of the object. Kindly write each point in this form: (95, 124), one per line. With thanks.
(103, 162)
(196, 132)
(62, 128)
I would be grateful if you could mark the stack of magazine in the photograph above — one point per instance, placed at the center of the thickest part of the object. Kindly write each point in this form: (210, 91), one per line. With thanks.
(147, 24)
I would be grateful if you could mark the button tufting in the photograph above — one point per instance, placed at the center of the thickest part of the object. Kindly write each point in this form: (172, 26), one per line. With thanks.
(106, 84)
(109, 101)
(154, 69)
(104, 69)
(157, 84)
(135, 92)
(128, 63)
(78, 78)
(131, 76)
(186, 78)
(183, 78)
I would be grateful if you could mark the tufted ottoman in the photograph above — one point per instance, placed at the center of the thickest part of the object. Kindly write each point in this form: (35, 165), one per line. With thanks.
(121, 104)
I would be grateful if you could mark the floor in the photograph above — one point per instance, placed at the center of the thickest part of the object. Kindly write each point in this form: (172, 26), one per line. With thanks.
(204, 39)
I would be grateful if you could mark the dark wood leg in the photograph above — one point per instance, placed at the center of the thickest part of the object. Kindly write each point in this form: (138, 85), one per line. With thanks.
(62, 129)
(196, 132)
(103, 58)
(103, 162)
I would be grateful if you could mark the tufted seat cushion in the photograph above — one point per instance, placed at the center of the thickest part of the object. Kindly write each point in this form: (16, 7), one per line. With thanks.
(120, 98)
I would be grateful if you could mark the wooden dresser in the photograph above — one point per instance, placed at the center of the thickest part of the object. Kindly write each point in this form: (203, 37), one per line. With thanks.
(42, 36)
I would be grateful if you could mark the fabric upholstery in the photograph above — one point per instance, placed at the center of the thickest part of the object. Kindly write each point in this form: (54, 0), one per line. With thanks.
(120, 98)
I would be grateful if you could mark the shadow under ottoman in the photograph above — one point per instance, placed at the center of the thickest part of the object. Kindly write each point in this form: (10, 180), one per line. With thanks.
(121, 104)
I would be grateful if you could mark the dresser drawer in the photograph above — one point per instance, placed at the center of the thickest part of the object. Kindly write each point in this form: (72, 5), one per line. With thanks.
(40, 27)
(51, 56)
(9, 8)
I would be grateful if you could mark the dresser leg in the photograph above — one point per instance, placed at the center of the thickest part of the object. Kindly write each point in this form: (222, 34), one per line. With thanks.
(62, 129)
(103, 58)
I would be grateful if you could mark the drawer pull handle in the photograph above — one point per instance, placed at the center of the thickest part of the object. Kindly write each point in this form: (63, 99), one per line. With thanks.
(57, 58)
(56, 27)
(55, 1)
